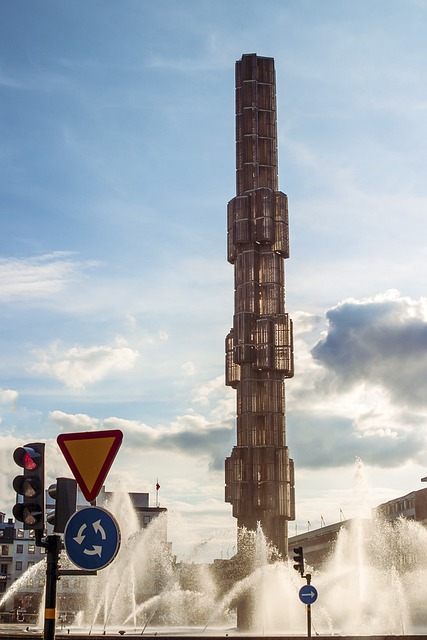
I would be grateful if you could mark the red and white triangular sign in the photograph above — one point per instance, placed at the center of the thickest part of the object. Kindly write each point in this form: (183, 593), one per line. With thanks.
(90, 456)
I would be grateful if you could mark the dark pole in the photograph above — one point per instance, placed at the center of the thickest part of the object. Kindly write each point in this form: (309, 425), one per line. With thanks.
(53, 546)
(308, 578)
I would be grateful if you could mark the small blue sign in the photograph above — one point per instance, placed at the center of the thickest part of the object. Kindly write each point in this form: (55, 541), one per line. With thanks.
(308, 594)
(92, 538)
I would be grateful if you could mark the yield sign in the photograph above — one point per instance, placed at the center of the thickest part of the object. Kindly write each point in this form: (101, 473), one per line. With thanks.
(90, 456)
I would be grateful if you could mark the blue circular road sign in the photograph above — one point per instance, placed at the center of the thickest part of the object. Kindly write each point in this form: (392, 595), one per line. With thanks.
(308, 594)
(92, 538)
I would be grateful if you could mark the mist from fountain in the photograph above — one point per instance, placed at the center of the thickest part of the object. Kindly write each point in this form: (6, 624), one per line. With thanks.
(372, 583)
(374, 579)
(361, 585)
(34, 572)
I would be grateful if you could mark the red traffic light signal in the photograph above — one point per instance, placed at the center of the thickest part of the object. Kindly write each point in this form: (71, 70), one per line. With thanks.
(28, 458)
(30, 505)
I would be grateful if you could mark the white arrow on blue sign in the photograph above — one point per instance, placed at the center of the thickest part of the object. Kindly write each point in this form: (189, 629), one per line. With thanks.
(92, 538)
(308, 594)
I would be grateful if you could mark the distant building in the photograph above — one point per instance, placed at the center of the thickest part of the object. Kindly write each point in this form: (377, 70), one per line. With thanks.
(412, 506)
(7, 536)
(18, 554)
(140, 503)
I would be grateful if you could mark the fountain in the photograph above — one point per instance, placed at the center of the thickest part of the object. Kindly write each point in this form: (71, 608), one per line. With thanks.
(362, 585)
(372, 583)
(365, 587)
(35, 573)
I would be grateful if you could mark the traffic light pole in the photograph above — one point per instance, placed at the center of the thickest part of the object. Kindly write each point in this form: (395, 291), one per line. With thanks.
(65, 493)
(299, 566)
(53, 546)
(308, 578)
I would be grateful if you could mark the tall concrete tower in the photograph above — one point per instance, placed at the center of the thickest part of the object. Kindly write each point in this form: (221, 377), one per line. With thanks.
(259, 474)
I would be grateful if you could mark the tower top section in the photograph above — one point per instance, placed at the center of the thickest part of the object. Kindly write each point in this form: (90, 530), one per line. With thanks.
(256, 131)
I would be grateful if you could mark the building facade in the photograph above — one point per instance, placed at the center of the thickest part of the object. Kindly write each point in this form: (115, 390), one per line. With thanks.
(412, 506)
(18, 555)
(259, 474)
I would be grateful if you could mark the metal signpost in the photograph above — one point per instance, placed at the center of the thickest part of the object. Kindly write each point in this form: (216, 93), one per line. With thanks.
(308, 595)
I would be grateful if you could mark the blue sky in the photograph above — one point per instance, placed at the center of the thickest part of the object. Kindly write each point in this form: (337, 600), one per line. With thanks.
(117, 162)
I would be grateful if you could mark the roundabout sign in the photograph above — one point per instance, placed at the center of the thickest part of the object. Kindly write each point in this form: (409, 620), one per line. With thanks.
(92, 538)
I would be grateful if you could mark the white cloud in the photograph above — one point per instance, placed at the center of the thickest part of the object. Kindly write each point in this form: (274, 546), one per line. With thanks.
(205, 436)
(377, 341)
(38, 276)
(8, 396)
(360, 392)
(79, 366)
(188, 368)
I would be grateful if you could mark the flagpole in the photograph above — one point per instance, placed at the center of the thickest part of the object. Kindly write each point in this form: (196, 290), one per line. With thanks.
(157, 492)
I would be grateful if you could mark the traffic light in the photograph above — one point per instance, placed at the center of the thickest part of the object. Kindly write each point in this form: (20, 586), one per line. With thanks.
(30, 508)
(299, 560)
(64, 492)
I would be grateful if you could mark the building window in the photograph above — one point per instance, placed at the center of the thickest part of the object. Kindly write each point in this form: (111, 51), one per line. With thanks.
(31, 548)
(32, 533)
(30, 564)
(20, 533)
(19, 548)
(5, 549)
(3, 568)
(18, 565)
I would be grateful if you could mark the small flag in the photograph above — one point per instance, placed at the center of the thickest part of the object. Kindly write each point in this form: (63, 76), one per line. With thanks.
(157, 485)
